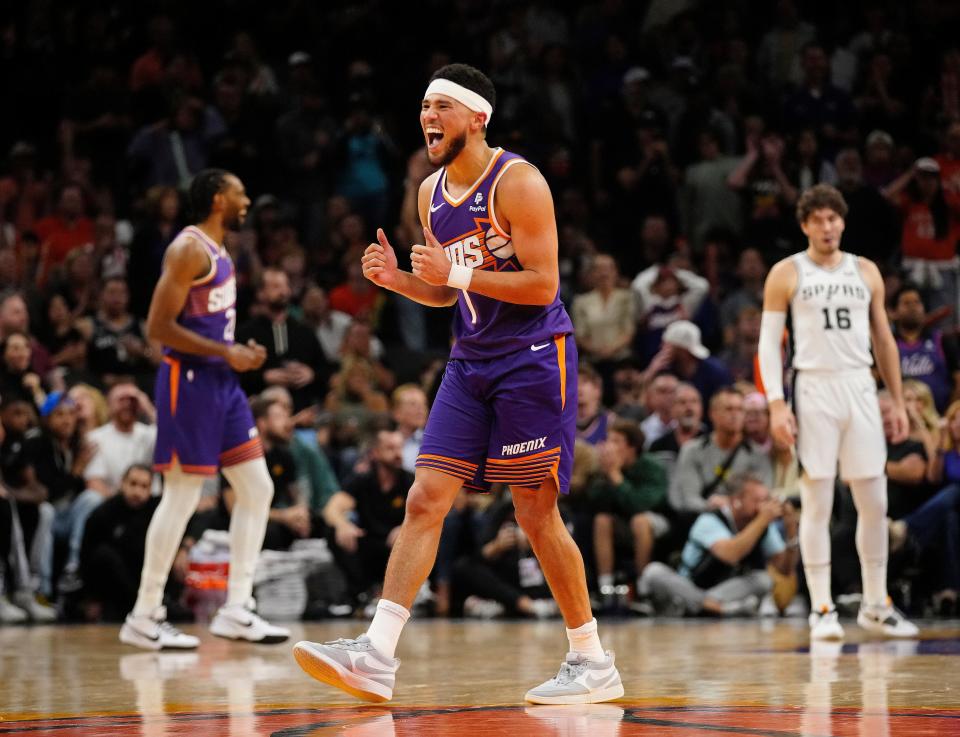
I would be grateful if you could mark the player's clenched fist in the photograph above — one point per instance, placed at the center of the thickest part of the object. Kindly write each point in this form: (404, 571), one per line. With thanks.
(783, 425)
(247, 357)
(430, 262)
(380, 261)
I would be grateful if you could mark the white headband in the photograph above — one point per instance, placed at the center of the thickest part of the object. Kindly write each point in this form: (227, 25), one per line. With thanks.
(461, 94)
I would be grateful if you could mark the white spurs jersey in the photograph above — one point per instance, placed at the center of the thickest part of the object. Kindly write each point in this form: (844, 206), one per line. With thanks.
(830, 316)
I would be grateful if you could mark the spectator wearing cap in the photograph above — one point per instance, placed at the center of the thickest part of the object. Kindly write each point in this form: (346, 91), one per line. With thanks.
(871, 226)
(28, 515)
(665, 294)
(54, 458)
(931, 229)
(684, 355)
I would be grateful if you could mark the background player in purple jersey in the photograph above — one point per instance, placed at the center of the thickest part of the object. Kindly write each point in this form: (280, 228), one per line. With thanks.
(506, 410)
(203, 420)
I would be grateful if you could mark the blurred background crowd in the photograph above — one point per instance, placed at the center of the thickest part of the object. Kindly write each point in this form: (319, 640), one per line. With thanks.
(676, 137)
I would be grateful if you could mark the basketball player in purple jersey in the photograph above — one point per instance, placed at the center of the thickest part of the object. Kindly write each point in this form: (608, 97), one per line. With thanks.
(506, 410)
(203, 420)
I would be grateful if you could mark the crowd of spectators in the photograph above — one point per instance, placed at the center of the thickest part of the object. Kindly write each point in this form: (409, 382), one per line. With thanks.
(676, 138)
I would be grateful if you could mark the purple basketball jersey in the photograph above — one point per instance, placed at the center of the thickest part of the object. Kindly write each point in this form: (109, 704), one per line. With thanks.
(469, 232)
(210, 309)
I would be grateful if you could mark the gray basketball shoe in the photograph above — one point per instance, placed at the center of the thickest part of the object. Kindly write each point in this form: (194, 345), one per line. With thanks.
(580, 681)
(353, 666)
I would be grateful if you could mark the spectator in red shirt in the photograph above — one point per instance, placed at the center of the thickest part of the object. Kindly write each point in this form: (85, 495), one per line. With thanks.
(358, 297)
(66, 230)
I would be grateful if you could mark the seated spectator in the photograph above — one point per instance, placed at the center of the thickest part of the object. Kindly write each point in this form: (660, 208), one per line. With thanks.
(936, 522)
(686, 423)
(92, 409)
(751, 274)
(741, 352)
(756, 429)
(705, 464)
(15, 318)
(116, 446)
(629, 393)
(592, 417)
(114, 537)
(660, 396)
(294, 358)
(503, 576)
(666, 295)
(117, 343)
(22, 555)
(629, 494)
(16, 378)
(605, 318)
(55, 457)
(360, 344)
(289, 513)
(67, 229)
(686, 357)
(924, 422)
(723, 564)
(365, 518)
(316, 477)
(357, 296)
(329, 325)
(68, 347)
(926, 353)
(409, 409)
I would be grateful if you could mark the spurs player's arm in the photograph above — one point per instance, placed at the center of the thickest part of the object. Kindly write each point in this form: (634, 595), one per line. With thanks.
(187, 259)
(885, 351)
(380, 263)
(525, 210)
(777, 292)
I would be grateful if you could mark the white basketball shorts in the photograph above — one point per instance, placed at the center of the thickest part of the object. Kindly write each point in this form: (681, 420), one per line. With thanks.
(838, 418)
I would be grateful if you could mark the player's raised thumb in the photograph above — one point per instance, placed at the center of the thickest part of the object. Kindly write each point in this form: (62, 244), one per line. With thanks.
(430, 237)
(382, 238)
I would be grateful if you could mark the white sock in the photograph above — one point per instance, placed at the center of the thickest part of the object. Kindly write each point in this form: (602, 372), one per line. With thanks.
(585, 641)
(605, 580)
(816, 500)
(870, 498)
(181, 493)
(384, 631)
(248, 525)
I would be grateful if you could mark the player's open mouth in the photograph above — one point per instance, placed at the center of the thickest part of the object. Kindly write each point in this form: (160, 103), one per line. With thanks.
(434, 137)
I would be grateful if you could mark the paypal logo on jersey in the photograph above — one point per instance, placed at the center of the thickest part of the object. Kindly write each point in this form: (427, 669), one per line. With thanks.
(476, 206)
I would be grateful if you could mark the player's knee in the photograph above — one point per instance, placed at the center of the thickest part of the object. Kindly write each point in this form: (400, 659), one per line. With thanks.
(425, 505)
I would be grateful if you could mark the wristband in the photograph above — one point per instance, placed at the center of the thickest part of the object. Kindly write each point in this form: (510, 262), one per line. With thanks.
(459, 276)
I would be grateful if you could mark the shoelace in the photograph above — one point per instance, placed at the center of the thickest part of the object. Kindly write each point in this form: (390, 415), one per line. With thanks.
(168, 629)
(569, 672)
(343, 642)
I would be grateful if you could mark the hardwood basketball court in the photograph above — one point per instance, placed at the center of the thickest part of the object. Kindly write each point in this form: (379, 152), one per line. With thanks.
(681, 678)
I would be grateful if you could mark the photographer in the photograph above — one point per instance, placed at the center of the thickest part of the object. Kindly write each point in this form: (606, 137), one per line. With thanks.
(723, 564)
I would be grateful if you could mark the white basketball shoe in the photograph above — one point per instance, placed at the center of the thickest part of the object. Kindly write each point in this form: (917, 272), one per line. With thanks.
(580, 681)
(241, 622)
(825, 625)
(155, 633)
(354, 666)
(887, 621)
